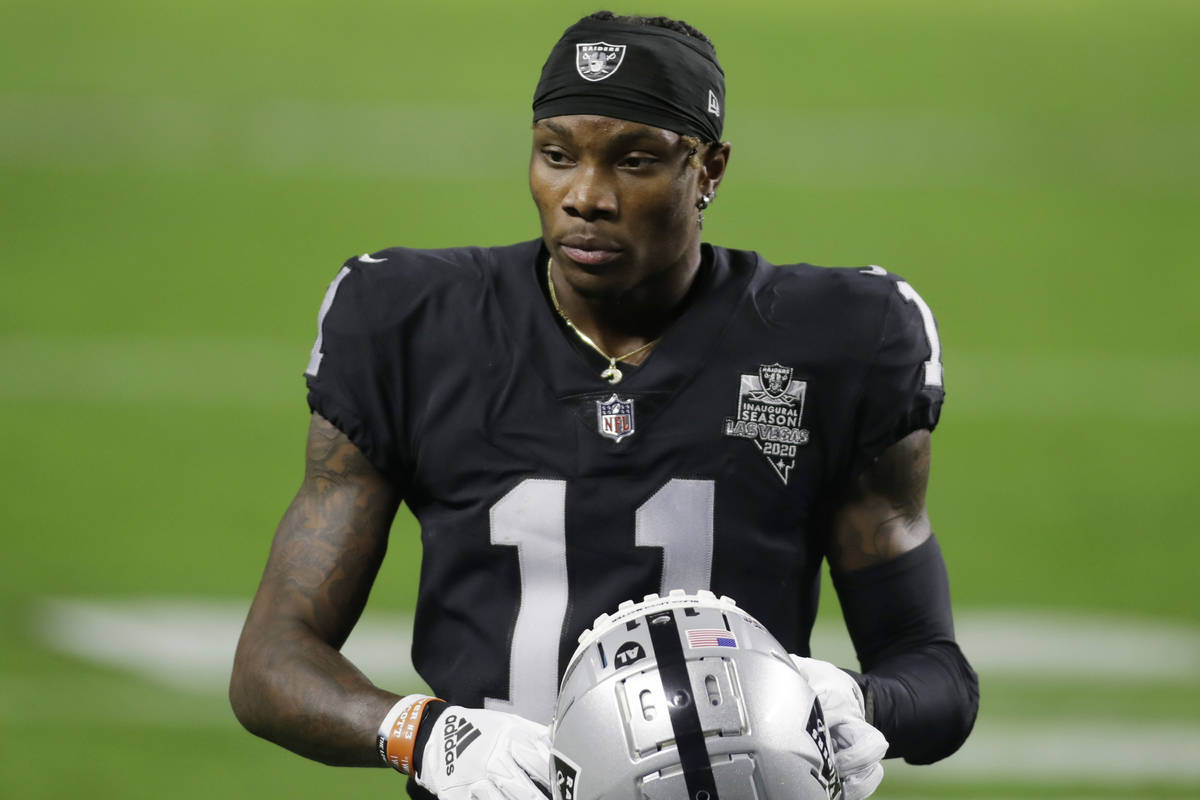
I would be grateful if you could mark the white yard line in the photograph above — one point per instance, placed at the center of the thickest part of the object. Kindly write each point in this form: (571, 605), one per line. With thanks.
(1053, 646)
(1067, 752)
(189, 644)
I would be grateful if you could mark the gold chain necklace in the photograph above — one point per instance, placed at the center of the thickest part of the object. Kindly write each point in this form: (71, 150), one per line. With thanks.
(612, 373)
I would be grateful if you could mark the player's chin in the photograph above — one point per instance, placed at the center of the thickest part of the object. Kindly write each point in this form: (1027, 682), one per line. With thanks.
(601, 285)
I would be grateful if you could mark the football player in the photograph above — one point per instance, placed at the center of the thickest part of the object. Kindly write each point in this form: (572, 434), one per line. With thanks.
(613, 409)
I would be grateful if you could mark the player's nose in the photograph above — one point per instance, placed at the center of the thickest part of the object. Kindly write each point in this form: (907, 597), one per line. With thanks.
(591, 195)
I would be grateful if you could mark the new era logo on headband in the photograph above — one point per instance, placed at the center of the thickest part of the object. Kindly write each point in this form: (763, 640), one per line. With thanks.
(714, 106)
(595, 61)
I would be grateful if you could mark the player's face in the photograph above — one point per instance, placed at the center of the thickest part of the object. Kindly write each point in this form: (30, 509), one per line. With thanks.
(617, 201)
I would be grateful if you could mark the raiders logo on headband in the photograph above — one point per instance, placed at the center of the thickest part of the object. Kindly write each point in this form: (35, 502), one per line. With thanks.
(662, 86)
(595, 61)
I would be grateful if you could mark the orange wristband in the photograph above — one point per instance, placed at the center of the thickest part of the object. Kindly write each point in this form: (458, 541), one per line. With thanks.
(396, 742)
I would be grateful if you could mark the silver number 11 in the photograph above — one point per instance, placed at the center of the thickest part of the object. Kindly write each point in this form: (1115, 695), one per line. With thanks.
(678, 519)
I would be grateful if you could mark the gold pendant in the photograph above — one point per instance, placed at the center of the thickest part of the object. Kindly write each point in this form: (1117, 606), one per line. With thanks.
(612, 374)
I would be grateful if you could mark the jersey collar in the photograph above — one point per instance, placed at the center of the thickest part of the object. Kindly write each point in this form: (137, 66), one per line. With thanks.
(681, 352)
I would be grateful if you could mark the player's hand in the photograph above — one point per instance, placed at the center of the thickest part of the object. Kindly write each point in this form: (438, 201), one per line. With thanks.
(476, 754)
(858, 748)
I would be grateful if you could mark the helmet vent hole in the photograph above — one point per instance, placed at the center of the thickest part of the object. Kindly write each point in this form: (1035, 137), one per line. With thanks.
(647, 700)
(702, 795)
(680, 699)
(714, 690)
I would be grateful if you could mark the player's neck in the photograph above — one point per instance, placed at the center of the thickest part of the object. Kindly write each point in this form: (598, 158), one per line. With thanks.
(620, 323)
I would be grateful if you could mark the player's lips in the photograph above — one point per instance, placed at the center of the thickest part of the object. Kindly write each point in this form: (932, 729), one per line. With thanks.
(581, 256)
(587, 250)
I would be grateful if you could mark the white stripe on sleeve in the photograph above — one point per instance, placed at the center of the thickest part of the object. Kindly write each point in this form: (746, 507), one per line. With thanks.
(314, 361)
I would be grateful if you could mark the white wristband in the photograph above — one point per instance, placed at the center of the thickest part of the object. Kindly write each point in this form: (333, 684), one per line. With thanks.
(386, 728)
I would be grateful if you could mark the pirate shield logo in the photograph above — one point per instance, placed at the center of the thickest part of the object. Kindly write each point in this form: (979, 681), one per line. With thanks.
(775, 379)
(595, 61)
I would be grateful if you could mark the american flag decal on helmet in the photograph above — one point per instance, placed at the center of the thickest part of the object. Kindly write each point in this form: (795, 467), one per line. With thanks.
(711, 637)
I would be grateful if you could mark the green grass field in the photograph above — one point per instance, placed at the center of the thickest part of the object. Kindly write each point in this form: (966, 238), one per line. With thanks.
(180, 180)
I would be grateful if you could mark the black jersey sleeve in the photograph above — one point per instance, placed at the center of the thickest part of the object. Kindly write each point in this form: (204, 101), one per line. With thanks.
(348, 379)
(903, 389)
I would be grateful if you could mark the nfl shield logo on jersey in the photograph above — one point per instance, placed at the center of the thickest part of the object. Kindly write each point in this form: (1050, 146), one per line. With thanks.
(614, 418)
(595, 61)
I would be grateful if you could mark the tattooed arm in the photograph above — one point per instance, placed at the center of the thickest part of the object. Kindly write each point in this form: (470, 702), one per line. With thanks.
(290, 684)
(885, 515)
(918, 688)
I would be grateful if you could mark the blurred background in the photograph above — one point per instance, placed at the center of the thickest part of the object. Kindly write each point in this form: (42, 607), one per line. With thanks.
(180, 180)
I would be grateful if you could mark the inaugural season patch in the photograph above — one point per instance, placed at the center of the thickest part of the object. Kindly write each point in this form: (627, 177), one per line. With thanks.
(614, 417)
(770, 408)
(595, 61)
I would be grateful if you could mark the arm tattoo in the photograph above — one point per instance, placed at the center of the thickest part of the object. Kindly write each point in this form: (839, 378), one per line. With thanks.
(336, 533)
(290, 682)
(884, 515)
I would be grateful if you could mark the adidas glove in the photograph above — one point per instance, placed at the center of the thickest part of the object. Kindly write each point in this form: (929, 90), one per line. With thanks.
(858, 748)
(468, 753)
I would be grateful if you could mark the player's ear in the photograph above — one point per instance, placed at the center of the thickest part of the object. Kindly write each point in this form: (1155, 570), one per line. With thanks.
(712, 167)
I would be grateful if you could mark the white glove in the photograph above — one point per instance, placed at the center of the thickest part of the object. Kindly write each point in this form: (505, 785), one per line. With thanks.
(476, 754)
(858, 748)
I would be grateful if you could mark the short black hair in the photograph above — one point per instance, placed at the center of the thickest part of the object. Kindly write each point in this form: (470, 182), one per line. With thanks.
(677, 25)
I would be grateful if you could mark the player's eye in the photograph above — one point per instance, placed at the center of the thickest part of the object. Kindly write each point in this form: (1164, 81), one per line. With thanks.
(638, 161)
(555, 156)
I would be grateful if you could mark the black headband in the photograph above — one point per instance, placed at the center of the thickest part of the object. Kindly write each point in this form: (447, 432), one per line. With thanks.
(641, 73)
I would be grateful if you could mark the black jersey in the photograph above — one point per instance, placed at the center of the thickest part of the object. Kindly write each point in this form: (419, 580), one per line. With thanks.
(547, 495)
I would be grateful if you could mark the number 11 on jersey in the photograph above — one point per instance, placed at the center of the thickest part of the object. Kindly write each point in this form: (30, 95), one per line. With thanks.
(677, 519)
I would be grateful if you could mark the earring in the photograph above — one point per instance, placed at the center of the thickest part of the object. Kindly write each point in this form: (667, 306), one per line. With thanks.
(703, 203)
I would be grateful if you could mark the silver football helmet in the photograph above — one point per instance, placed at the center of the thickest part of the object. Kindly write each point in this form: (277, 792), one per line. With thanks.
(687, 697)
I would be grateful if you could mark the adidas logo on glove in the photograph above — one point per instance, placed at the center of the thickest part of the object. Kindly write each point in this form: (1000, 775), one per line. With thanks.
(457, 735)
(512, 759)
